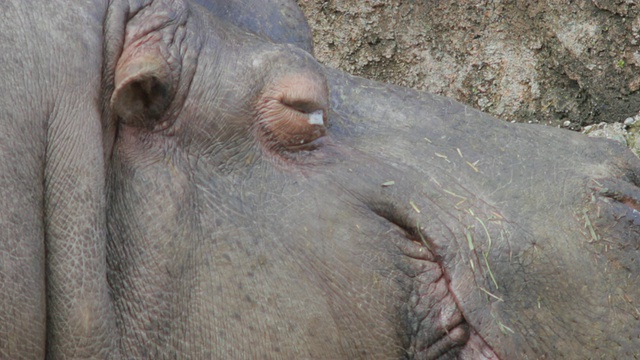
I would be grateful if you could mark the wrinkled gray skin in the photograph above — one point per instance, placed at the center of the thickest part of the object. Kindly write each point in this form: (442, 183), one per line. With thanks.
(157, 203)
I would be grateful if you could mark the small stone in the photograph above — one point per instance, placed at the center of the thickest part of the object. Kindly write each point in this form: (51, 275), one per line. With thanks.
(566, 123)
(634, 84)
(484, 103)
(630, 121)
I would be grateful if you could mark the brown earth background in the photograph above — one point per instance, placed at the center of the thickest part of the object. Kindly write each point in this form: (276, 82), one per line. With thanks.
(553, 62)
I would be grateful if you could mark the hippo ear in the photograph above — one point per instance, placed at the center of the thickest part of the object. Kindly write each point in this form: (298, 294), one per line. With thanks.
(142, 91)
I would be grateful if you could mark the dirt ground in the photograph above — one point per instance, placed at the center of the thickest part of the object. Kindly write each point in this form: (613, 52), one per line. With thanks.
(553, 62)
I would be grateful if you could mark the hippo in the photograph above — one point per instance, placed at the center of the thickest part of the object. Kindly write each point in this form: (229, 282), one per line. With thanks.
(183, 180)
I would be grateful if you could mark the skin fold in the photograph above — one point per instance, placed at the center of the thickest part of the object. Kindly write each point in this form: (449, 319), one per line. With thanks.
(184, 180)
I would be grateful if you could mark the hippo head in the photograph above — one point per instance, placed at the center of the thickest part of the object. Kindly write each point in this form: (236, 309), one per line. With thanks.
(269, 205)
(256, 204)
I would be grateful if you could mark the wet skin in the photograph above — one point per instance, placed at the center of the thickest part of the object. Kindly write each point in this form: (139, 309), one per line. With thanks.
(180, 182)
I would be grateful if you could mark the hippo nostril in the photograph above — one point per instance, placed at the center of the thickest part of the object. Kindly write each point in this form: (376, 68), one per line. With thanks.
(622, 193)
(631, 202)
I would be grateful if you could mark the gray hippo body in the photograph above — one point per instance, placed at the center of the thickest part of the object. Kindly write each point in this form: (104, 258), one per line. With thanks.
(178, 181)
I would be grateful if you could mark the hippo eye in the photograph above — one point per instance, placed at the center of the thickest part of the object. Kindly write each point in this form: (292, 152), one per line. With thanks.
(292, 113)
(316, 118)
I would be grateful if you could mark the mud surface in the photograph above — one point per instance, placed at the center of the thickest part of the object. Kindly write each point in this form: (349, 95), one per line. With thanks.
(553, 62)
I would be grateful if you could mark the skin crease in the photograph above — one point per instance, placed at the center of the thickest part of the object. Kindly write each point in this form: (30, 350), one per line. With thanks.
(157, 203)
